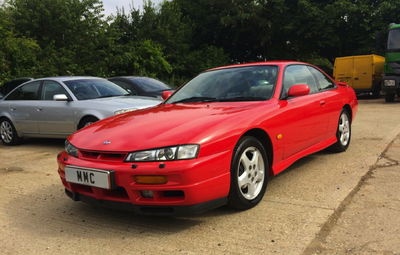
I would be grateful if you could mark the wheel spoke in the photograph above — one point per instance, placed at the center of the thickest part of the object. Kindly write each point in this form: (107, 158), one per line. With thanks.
(260, 176)
(252, 190)
(341, 128)
(243, 180)
(245, 161)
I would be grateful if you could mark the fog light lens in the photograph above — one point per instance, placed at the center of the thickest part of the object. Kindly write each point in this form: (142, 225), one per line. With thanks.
(147, 193)
(150, 179)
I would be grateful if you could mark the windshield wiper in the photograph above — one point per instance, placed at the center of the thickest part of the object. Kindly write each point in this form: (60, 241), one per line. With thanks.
(232, 99)
(196, 99)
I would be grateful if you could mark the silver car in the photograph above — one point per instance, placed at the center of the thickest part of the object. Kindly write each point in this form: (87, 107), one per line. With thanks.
(58, 106)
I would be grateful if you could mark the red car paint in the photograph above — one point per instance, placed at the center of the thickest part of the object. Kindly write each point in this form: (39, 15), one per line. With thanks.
(296, 127)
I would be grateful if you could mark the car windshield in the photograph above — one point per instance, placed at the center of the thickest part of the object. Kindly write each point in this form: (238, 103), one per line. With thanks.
(94, 88)
(250, 83)
(394, 39)
(149, 84)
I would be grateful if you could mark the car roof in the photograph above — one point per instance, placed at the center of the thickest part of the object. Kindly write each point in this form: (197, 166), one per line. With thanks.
(131, 77)
(68, 78)
(277, 62)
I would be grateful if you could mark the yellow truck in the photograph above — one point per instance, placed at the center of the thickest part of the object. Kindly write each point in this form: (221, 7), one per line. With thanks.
(363, 73)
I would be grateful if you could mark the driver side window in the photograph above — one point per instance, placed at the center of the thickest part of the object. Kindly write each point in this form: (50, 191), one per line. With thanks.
(51, 88)
(298, 74)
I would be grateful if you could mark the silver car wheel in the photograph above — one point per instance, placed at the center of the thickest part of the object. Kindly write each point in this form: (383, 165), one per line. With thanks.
(344, 129)
(251, 173)
(6, 132)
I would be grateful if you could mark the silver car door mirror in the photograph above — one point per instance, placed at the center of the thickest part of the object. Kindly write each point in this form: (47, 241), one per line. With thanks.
(60, 97)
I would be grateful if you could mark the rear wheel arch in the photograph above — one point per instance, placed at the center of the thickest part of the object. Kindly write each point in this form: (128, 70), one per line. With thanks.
(265, 140)
(349, 110)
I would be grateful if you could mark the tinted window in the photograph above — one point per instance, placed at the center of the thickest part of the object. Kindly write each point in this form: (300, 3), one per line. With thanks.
(323, 81)
(149, 84)
(51, 88)
(128, 87)
(394, 39)
(29, 91)
(298, 74)
(94, 88)
(250, 83)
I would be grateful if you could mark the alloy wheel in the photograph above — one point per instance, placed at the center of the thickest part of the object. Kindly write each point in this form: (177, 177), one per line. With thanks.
(6, 132)
(251, 173)
(344, 129)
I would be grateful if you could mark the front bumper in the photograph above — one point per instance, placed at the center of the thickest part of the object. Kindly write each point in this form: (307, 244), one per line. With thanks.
(391, 89)
(193, 185)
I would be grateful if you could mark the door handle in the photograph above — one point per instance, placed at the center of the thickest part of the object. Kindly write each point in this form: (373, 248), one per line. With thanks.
(322, 102)
(13, 109)
(39, 109)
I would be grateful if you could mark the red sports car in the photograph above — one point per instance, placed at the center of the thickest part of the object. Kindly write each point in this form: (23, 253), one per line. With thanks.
(215, 141)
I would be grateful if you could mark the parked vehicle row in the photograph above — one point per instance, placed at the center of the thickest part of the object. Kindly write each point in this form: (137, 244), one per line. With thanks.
(56, 107)
(216, 141)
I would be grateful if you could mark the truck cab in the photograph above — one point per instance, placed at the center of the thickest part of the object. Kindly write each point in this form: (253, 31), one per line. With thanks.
(391, 79)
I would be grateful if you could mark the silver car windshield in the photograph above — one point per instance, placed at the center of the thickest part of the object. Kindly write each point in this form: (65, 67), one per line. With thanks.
(85, 89)
(250, 83)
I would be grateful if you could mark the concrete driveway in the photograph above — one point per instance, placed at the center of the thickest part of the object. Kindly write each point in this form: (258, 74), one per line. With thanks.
(303, 211)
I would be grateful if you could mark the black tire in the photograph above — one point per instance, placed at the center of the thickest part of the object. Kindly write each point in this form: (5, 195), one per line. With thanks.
(87, 121)
(376, 90)
(8, 134)
(389, 97)
(342, 142)
(239, 195)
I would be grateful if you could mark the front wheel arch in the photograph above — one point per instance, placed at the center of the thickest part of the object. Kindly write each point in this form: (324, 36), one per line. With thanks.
(85, 119)
(265, 140)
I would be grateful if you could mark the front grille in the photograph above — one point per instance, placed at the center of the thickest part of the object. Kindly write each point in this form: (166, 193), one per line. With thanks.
(102, 156)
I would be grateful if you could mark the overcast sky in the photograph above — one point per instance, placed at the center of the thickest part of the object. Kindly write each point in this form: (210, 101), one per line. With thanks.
(110, 6)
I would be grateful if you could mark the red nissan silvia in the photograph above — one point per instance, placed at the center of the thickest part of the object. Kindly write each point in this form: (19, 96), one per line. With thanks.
(216, 141)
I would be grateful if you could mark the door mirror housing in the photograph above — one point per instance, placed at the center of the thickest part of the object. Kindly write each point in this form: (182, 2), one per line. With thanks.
(60, 97)
(343, 84)
(299, 90)
(166, 94)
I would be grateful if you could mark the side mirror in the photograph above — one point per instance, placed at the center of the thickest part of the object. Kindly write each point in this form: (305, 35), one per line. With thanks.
(166, 94)
(60, 97)
(340, 83)
(298, 90)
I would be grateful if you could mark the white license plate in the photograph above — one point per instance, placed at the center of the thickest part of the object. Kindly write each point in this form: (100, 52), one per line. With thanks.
(88, 176)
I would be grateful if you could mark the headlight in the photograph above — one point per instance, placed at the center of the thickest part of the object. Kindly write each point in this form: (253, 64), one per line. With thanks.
(188, 151)
(70, 149)
(124, 111)
(389, 83)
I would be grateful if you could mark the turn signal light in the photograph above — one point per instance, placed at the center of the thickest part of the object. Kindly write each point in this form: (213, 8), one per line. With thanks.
(150, 179)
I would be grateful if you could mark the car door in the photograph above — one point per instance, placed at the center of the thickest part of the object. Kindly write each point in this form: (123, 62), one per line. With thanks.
(56, 117)
(304, 125)
(332, 105)
(22, 107)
